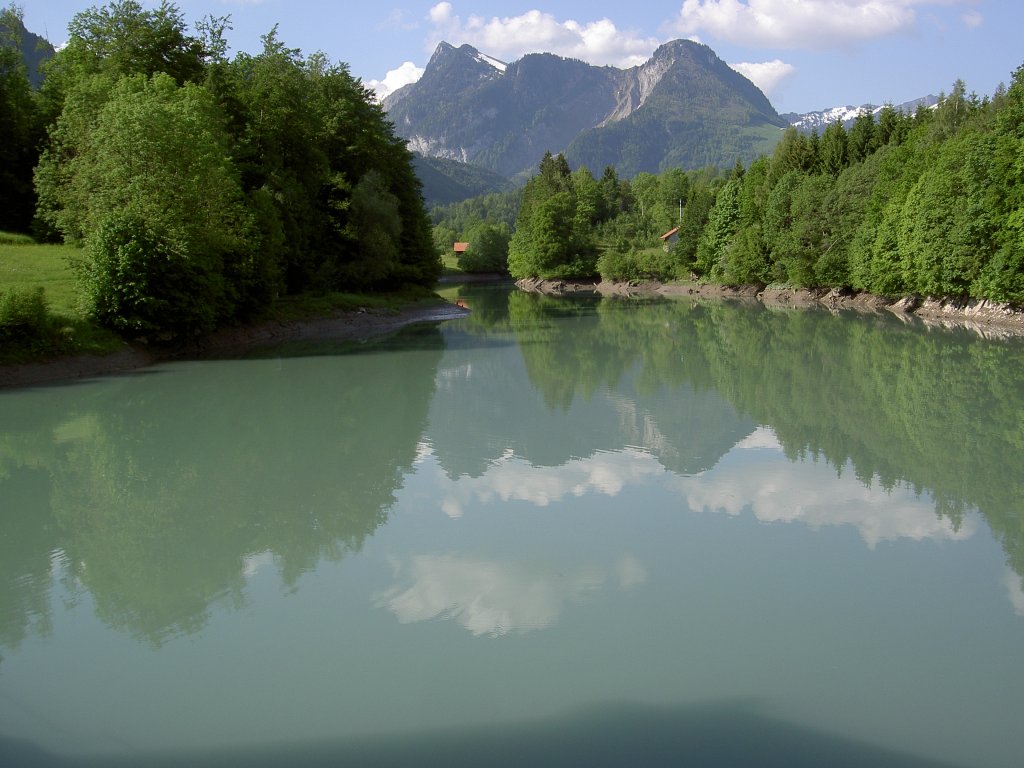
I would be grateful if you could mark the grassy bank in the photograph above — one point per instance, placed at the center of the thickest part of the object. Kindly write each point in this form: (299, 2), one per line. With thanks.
(42, 316)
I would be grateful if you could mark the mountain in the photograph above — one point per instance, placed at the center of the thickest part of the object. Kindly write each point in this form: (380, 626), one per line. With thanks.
(449, 181)
(35, 50)
(683, 107)
(809, 122)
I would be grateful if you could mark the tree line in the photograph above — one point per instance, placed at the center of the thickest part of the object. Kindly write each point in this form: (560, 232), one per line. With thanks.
(201, 187)
(929, 203)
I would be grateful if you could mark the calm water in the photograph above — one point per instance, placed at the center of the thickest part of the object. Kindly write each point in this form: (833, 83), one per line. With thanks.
(597, 533)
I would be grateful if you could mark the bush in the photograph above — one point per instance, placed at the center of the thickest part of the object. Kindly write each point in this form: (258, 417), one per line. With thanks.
(24, 317)
(142, 281)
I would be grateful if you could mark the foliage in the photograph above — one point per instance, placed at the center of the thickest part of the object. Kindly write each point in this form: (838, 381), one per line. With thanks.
(204, 188)
(21, 127)
(488, 249)
(552, 237)
(24, 316)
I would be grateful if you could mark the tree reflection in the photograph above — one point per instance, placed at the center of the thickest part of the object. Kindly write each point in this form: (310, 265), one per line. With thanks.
(940, 412)
(157, 488)
(154, 492)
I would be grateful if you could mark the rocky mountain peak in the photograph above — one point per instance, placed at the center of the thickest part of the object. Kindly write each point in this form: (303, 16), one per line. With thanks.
(683, 106)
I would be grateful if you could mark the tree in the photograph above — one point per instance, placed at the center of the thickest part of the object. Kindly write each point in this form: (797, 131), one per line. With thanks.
(20, 128)
(945, 230)
(160, 210)
(122, 38)
(377, 227)
(862, 136)
(718, 234)
(794, 152)
(543, 246)
(835, 153)
(551, 239)
(699, 202)
(1003, 276)
(488, 249)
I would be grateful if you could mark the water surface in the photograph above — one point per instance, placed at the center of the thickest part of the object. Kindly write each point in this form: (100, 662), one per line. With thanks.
(588, 531)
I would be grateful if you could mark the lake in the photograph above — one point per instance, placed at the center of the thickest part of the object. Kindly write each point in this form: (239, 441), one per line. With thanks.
(553, 532)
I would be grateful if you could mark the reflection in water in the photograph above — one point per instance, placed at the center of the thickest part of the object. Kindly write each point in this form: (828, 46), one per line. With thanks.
(489, 597)
(160, 488)
(939, 412)
(758, 477)
(1015, 589)
(511, 479)
(431, 501)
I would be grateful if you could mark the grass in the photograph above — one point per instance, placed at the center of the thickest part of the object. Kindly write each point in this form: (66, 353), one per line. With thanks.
(26, 265)
(450, 264)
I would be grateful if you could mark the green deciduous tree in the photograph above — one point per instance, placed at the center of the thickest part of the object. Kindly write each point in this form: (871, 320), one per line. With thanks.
(159, 209)
(945, 230)
(488, 249)
(551, 239)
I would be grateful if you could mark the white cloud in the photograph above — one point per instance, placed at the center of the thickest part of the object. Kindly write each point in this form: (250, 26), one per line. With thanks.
(395, 79)
(774, 488)
(510, 37)
(1015, 589)
(487, 597)
(973, 19)
(398, 19)
(497, 597)
(779, 491)
(766, 75)
(512, 479)
(440, 13)
(799, 23)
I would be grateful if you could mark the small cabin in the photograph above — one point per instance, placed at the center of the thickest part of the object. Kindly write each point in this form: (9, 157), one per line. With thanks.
(460, 248)
(670, 238)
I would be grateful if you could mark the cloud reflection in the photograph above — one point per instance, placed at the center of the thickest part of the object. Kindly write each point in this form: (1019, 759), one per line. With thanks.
(512, 479)
(778, 490)
(1015, 589)
(755, 475)
(494, 597)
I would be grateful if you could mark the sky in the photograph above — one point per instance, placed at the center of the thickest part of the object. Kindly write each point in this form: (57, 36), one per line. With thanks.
(804, 54)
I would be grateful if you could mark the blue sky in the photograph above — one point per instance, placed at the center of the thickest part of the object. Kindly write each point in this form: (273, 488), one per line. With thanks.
(804, 54)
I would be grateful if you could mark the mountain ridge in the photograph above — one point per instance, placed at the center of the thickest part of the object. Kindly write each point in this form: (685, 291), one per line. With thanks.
(682, 106)
(818, 120)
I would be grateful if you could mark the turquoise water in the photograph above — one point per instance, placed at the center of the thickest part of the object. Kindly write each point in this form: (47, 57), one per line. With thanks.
(594, 532)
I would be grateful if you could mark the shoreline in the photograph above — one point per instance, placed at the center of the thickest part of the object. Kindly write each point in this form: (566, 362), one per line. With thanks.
(357, 325)
(989, 320)
(986, 318)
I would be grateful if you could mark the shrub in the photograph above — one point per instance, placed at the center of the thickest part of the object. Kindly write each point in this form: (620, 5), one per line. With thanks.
(142, 281)
(24, 317)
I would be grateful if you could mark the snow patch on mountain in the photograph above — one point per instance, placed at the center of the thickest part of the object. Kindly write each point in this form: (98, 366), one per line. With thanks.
(818, 121)
(501, 66)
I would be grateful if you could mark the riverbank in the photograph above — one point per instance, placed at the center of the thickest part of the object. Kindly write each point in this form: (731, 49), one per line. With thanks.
(986, 318)
(228, 342)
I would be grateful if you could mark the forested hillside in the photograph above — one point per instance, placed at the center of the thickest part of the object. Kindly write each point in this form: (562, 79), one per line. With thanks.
(201, 187)
(930, 204)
